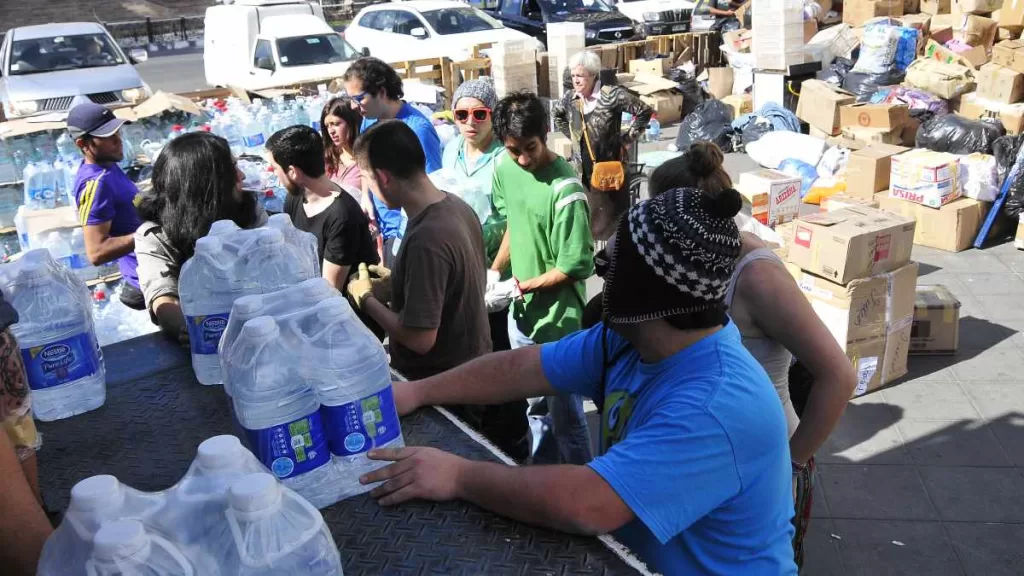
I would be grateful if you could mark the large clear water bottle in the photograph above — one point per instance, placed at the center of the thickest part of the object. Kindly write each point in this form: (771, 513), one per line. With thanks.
(195, 505)
(206, 293)
(350, 371)
(59, 248)
(301, 114)
(58, 342)
(80, 263)
(270, 531)
(279, 411)
(304, 240)
(94, 501)
(267, 263)
(67, 148)
(126, 548)
(253, 138)
(24, 242)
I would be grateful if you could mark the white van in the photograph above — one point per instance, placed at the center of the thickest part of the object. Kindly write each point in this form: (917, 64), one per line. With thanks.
(258, 44)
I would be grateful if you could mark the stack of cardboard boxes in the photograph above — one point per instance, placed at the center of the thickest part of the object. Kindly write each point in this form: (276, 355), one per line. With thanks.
(564, 40)
(514, 67)
(854, 267)
(832, 112)
(778, 29)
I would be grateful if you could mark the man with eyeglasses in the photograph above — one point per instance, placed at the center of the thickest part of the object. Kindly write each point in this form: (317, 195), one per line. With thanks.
(377, 89)
(551, 249)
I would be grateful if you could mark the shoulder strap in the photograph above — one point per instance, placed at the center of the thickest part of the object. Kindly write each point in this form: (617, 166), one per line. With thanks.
(586, 133)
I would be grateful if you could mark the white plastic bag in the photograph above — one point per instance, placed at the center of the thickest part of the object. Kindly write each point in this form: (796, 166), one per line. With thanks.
(833, 161)
(979, 177)
(774, 147)
(878, 50)
(748, 224)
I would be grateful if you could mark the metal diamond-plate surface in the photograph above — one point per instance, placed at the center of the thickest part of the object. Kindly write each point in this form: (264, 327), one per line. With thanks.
(147, 433)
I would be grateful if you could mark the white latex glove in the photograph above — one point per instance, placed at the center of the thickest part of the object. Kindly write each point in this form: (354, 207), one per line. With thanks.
(501, 294)
(493, 276)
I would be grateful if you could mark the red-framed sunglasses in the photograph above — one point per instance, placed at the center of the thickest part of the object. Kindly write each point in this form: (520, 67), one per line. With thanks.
(479, 114)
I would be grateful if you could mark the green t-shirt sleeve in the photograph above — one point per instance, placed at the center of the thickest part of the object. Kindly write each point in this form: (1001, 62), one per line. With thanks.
(497, 192)
(571, 239)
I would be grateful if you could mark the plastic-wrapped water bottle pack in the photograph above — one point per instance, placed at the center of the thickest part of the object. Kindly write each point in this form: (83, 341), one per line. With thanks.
(311, 389)
(226, 516)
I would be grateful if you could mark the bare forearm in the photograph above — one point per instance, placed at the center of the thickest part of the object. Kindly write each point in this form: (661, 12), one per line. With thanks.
(550, 280)
(829, 396)
(334, 274)
(538, 495)
(24, 527)
(492, 379)
(412, 338)
(502, 259)
(111, 248)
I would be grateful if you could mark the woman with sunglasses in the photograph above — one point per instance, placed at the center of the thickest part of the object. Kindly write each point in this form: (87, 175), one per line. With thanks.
(590, 115)
(471, 155)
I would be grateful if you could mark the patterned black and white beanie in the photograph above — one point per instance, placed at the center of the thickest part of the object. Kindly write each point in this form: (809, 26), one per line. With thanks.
(673, 255)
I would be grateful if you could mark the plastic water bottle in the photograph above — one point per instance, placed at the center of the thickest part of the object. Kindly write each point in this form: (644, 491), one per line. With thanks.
(654, 129)
(206, 294)
(125, 547)
(59, 248)
(353, 385)
(304, 240)
(176, 130)
(11, 198)
(271, 530)
(279, 411)
(94, 501)
(67, 148)
(80, 263)
(301, 115)
(58, 342)
(19, 224)
(195, 505)
(252, 136)
(101, 301)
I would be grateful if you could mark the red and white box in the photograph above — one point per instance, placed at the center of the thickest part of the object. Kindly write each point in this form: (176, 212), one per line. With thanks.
(925, 177)
(774, 196)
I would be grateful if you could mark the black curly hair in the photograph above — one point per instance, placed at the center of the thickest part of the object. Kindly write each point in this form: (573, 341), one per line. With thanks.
(375, 75)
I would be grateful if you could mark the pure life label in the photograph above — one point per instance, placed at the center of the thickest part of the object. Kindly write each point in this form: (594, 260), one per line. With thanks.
(60, 362)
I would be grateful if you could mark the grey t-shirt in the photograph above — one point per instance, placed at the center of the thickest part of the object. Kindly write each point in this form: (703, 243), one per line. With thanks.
(159, 263)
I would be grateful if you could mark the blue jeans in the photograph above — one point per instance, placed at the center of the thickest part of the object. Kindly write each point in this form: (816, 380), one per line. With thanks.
(564, 435)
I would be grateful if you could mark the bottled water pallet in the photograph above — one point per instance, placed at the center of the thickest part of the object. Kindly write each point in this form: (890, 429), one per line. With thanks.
(156, 415)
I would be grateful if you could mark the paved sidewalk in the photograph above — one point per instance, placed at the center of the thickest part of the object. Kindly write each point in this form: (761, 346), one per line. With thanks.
(927, 476)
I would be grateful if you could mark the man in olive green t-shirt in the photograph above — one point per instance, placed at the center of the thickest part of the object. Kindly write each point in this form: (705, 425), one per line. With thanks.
(551, 249)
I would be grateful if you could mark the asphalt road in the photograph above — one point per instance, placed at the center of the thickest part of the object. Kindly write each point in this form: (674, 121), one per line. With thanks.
(179, 73)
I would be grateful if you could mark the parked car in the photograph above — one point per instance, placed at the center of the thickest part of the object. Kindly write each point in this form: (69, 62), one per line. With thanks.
(658, 17)
(602, 22)
(398, 31)
(258, 44)
(45, 68)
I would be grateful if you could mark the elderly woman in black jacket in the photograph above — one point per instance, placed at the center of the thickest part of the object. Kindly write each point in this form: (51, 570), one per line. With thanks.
(600, 109)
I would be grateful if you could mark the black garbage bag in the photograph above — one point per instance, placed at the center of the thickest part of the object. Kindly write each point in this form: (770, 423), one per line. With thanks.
(921, 115)
(688, 86)
(863, 85)
(958, 135)
(753, 130)
(710, 121)
(836, 72)
(1006, 149)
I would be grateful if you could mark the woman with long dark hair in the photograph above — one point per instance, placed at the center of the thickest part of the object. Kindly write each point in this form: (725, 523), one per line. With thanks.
(339, 127)
(196, 182)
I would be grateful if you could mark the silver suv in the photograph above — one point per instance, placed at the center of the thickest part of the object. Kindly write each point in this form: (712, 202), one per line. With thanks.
(44, 68)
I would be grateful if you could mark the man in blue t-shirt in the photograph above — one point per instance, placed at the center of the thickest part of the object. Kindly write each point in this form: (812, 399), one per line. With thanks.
(377, 89)
(694, 473)
(105, 195)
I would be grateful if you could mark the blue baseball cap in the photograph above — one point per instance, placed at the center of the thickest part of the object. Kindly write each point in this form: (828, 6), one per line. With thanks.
(91, 119)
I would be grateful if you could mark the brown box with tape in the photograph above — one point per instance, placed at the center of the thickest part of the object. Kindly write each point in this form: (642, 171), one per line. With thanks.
(936, 328)
(871, 319)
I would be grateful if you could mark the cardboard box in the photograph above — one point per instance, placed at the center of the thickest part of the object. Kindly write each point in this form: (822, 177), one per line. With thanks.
(951, 228)
(719, 81)
(936, 328)
(867, 169)
(886, 116)
(740, 103)
(1000, 84)
(560, 144)
(857, 12)
(657, 66)
(39, 222)
(1011, 15)
(870, 318)
(975, 107)
(739, 40)
(820, 104)
(977, 6)
(945, 80)
(869, 136)
(976, 31)
(1009, 53)
(844, 200)
(658, 93)
(925, 177)
(851, 243)
(543, 73)
(911, 6)
(775, 196)
(935, 51)
(940, 33)
(935, 7)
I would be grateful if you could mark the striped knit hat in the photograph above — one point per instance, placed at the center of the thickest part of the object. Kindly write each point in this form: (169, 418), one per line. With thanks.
(674, 255)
